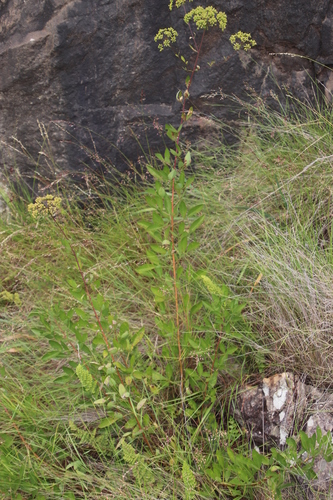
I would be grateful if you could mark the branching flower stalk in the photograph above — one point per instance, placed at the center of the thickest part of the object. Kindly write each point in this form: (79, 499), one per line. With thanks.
(203, 18)
(174, 265)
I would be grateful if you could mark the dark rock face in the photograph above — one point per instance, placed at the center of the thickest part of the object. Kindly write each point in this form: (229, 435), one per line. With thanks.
(81, 80)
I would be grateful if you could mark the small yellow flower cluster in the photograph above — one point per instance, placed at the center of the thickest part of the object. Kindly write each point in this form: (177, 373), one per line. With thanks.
(205, 17)
(178, 3)
(46, 205)
(11, 298)
(212, 287)
(241, 39)
(167, 36)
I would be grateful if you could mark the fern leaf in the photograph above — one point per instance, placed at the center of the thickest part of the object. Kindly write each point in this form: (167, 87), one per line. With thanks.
(189, 481)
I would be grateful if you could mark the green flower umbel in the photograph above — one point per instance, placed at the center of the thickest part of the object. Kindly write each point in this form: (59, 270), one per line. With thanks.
(46, 205)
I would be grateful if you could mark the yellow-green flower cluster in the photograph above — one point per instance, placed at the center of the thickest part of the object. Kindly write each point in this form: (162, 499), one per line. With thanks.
(86, 379)
(205, 17)
(242, 40)
(11, 298)
(212, 287)
(178, 3)
(46, 205)
(166, 36)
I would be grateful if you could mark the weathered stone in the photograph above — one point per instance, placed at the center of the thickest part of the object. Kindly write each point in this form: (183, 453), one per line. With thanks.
(270, 409)
(90, 73)
(321, 415)
(4, 195)
(282, 403)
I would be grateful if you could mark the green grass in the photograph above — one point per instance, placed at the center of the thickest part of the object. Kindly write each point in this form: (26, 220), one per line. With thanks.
(267, 206)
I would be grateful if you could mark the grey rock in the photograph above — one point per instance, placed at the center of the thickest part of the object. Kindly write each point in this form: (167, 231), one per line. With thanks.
(276, 408)
(82, 82)
(4, 197)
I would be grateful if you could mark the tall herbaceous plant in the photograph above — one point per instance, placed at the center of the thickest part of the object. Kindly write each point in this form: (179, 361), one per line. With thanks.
(155, 390)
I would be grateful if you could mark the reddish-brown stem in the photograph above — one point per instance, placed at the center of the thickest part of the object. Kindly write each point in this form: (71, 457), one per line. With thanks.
(176, 292)
(174, 265)
(192, 34)
(100, 326)
(84, 282)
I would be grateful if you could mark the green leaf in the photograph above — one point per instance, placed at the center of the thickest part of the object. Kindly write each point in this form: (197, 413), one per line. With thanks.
(169, 371)
(99, 401)
(98, 302)
(189, 181)
(176, 153)
(158, 249)
(62, 380)
(98, 340)
(157, 376)
(172, 174)
(67, 370)
(161, 192)
(144, 224)
(193, 246)
(130, 423)
(141, 404)
(81, 314)
(122, 390)
(106, 422)
(138, 337)
(181, 228)
(170, 127)
(51, 355)
(145, 420)
(66, 244)
(153, 258)
(195, 224)
(188, 158)
(179, 272)
(182, 245)
(81, 337)
(196, 308)
(168, 206)
(124, 327)
(157, 221)
(157, 292)
(212, 380)
(259, 459)
(182, 209)
(195, 210)
(167, 156)
(72, 283)
(78, 294)
(55, 345)
(145, 270)
(305, 440)
(154, 173)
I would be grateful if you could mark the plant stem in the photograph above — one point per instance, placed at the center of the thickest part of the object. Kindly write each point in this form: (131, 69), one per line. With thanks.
(174, 265)
(100, 325)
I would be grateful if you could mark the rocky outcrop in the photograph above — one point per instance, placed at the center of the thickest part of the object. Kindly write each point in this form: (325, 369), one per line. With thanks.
(282, 404)
(83, 85)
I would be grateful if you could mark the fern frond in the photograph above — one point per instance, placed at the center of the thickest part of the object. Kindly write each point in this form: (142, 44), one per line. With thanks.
(189, 481)
(140, 469)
